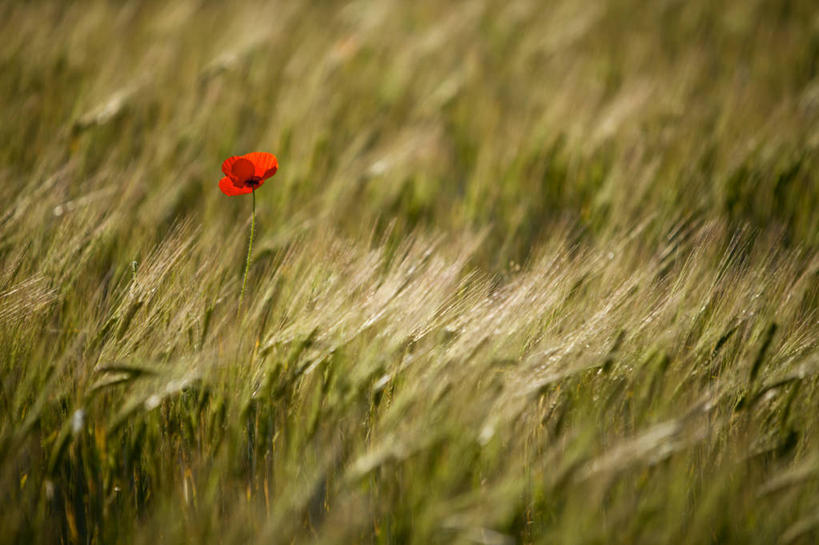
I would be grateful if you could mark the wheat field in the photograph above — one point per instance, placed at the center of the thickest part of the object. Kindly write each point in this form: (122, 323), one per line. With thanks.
(529, 272)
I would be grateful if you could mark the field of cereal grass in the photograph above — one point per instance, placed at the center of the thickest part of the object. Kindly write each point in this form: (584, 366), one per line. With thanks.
(529, 272)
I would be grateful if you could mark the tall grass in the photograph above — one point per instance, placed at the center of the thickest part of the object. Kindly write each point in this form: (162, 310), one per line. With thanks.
(529, 272)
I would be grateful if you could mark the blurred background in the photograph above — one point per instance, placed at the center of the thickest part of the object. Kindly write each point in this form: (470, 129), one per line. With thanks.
(460, 115)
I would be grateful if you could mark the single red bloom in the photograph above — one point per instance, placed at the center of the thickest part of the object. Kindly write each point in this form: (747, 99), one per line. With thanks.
(245, 173)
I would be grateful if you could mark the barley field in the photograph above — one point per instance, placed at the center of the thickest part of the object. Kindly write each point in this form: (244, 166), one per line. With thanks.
(529, 272)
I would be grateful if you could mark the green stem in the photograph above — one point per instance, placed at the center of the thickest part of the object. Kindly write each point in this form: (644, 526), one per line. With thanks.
(249, 249)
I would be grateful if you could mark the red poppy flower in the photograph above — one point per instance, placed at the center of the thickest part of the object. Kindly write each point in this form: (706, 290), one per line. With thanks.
(245, 173)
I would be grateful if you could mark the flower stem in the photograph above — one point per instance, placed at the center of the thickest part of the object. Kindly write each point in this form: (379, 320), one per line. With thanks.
(249, 249)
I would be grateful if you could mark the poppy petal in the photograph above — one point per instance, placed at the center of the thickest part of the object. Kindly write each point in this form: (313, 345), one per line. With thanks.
(238, 168)
(230, 188)
(227, 165)
(242, 170)
(265, 164)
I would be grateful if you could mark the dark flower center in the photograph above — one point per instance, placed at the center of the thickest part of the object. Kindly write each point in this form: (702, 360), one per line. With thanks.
(254, 181)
